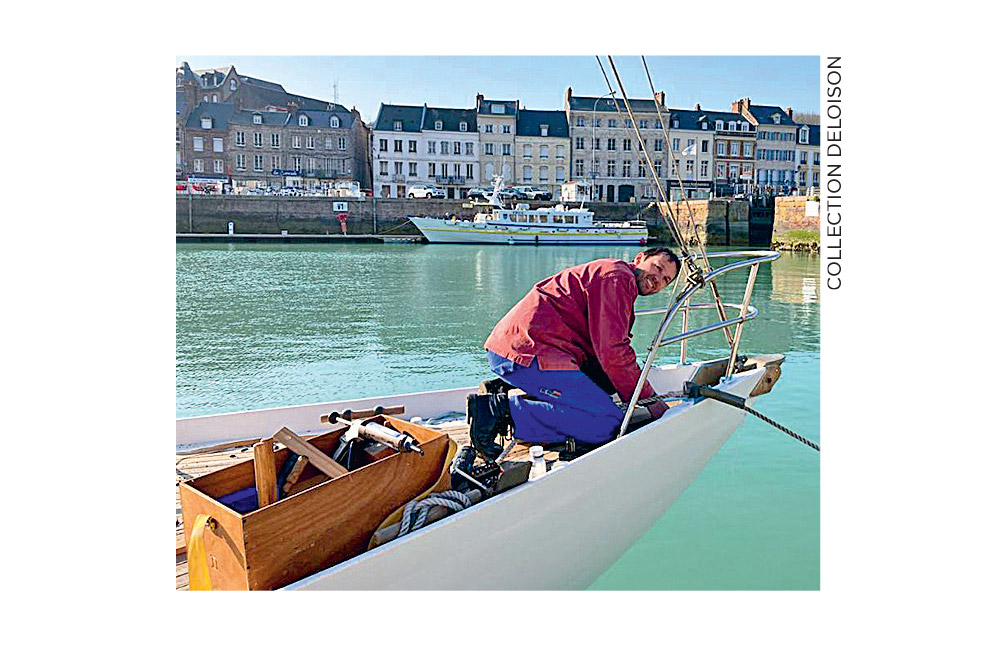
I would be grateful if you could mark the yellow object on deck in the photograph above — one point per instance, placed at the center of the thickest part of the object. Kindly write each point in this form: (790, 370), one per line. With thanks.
(198, 578)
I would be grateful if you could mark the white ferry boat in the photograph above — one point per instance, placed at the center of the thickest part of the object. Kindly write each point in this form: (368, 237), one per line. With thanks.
(521, 225)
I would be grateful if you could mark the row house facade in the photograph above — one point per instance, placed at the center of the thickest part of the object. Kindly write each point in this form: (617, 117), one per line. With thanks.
(257, 148)
(245, 131)
(603, 151)
(807, 153)
(542, 149)
(734, 150)
(497, 124)
(424, 145)
(776, 163)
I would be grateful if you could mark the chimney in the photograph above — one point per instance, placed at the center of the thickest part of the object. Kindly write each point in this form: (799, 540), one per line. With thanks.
(789, 111)
(660, 98)
(697, 106)
(479, 100)
(566, 97)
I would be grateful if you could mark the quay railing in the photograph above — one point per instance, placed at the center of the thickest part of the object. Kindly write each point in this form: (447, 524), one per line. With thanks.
(682, 303)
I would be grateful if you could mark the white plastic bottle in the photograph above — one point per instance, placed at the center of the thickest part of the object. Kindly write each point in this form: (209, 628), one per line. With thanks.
(537, 463)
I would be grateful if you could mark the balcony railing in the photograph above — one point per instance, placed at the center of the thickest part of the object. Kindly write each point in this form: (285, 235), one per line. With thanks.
(450, 180)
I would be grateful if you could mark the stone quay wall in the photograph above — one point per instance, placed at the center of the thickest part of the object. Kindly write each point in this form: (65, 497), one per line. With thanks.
(720, 222)
(317, 216)
(794, 213)
(723, 222)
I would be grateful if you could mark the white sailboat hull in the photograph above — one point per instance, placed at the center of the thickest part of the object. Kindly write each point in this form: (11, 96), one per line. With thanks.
(559, 532)
(444, 231)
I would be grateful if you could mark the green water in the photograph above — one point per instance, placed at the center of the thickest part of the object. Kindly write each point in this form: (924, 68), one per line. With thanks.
(261, 325)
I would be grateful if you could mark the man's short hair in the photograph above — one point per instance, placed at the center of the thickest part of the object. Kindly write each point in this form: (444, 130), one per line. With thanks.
(663, 250)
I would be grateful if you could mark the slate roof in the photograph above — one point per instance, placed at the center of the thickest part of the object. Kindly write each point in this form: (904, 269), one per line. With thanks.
(763, 115)
(692, 119)
(389, 113)
(529, 123)
(220, 113)
(509, 106)
(607, 105)
(212, 77)
(181, 103)
(268, 118)
(450, 118)
(321, 118)
(814, 134)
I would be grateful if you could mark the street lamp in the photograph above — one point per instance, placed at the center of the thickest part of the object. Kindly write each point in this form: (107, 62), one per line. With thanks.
(593, 141)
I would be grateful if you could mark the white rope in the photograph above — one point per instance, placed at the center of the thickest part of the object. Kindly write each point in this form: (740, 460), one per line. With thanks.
(415, 512)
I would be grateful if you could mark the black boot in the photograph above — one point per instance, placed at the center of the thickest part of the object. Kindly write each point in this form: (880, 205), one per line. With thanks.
(495, 386)
(488, 416)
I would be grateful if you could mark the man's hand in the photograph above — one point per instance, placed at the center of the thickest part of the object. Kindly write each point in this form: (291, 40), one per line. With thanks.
(657, 409)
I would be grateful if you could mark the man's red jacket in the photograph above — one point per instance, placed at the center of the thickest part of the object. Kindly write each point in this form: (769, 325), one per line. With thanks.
(585, 311)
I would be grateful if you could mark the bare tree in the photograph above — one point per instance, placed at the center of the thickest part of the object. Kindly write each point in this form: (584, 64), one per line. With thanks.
(807, 118)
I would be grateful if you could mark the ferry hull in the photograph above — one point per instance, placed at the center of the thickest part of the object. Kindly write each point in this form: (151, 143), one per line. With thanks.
(443, 231)
(560, 532)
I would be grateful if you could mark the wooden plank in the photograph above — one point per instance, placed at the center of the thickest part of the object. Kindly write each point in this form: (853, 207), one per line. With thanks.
(237, 443)
(302, 486)
(294, 473)
(366, 413)
(319, 460)
(265, 474)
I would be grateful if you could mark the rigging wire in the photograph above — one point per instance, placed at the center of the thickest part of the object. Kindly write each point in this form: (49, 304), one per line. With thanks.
(707, 266)
(669, 217)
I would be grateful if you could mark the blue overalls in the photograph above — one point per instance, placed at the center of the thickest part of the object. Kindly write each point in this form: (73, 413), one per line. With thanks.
(559, 403)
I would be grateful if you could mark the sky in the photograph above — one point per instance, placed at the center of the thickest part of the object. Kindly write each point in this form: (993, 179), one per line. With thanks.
(538, 81)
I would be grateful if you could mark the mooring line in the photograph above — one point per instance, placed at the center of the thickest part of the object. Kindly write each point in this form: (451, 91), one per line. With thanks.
(693, 390)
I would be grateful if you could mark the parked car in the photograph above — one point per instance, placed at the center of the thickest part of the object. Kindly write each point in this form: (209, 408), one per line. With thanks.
(425, 192)
(533, 193)
(512, 194)
(288, 191)
(479, 193)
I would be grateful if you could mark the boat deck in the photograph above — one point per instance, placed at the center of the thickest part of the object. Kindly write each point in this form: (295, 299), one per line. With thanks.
(193, 465)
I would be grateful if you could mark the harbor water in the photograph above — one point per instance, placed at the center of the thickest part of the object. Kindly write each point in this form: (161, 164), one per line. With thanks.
(264, 325)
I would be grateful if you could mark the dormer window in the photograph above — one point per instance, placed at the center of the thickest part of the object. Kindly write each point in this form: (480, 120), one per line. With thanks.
(804, 136)
(303, 120)
(718, 125)
(232, 84)
(497, 109)
(257, 119)
(206, 122)
(334, 122)
(777, 118)
(676, 124)
(744, 126)
(544, 129)
(438, 125)
(397, 125)
(704, 126)
(463, 126)
(732, 125)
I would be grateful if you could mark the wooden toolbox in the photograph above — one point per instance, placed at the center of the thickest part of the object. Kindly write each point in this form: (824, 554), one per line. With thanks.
(314, 528)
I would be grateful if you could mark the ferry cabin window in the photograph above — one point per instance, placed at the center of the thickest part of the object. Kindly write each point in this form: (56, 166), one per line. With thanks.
(557, 218)
(543, 218)
(570, 218)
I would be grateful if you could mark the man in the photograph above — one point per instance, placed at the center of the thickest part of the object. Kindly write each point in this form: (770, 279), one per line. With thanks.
(567, 345)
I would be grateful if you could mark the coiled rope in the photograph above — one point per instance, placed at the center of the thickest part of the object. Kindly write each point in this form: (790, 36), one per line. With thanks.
(415, 512)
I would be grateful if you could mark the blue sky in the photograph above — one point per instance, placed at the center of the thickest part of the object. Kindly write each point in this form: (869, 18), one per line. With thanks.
(538, 81)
